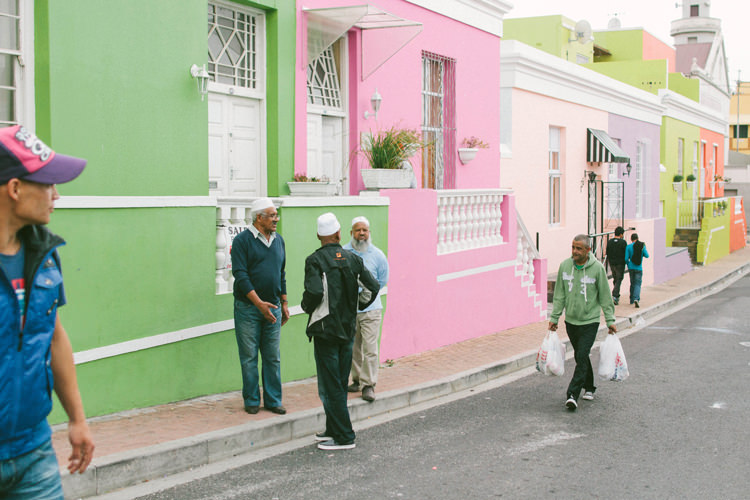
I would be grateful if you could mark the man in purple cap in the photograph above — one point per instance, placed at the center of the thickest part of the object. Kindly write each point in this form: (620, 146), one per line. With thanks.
(35, 350)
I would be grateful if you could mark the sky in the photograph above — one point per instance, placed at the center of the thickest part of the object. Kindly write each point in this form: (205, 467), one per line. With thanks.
(655, 16)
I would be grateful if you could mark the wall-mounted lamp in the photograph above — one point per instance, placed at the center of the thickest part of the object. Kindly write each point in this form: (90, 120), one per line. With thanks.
(628, 168)
(592, 176)
(375, 102)
(201, 77)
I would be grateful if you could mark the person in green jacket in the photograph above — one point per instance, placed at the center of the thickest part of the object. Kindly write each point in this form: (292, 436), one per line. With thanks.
(582, 290)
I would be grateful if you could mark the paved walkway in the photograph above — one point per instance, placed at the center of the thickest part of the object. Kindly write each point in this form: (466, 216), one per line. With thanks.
(140, 444)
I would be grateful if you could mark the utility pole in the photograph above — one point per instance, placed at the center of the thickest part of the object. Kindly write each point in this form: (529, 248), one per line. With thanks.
(737, 127)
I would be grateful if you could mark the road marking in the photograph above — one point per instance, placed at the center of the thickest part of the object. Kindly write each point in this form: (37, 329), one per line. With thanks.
(745, 344)
(719, 405)
(550, 440)
(717, 330)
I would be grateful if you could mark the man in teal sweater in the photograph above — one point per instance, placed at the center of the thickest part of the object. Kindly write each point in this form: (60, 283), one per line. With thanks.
(582, 290)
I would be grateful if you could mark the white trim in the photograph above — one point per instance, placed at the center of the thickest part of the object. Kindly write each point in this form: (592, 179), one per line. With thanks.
(134, 201)
(476, 270)
(334, 201)
(149, 342)
(687, 110)
(142, 344)
(524, 67)
(27, 114)
(486, 15)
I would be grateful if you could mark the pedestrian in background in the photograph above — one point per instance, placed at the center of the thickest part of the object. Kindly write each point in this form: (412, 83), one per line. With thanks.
(332, 296)
(582, 291)
(35, 351)
(260, 305)
(616, 261)
(634, 255)
(365, 356)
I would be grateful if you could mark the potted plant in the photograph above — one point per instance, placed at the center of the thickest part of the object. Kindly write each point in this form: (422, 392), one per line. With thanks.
(677, 182)
(311, 186)
(388, 152)
(690, 178)
(471, 145)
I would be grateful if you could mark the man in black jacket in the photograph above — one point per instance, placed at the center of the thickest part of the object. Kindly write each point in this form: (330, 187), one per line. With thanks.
(616, 260)
(337, 283)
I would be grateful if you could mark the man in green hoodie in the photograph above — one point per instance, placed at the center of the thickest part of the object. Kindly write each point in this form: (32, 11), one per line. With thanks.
(582, 290)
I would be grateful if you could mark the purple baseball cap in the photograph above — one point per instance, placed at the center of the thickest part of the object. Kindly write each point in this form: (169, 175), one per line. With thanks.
(24, 156)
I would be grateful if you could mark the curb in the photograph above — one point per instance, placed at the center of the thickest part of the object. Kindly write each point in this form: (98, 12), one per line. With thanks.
(129, 468)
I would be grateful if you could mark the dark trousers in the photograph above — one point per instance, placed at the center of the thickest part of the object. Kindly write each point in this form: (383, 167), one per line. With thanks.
(618, 273)
(582, 337)
(333, 362)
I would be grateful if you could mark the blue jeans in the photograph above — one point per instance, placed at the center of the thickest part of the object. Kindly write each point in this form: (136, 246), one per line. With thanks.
(255, 333)
(333, 362)
(635, 285)
(33, 475)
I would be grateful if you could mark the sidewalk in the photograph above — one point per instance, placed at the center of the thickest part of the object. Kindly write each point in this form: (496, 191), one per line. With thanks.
(142, 444)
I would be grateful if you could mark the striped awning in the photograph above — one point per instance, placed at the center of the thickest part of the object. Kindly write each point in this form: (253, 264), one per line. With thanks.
(600, 147)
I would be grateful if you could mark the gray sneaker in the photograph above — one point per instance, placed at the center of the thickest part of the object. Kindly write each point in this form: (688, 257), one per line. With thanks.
(333, 445)
(353, 387)
(368, 393)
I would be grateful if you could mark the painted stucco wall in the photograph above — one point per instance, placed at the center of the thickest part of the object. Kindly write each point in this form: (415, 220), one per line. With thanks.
(436, 300)
(527, 171)
(550, 34)
(630, 132)
(399, 82)
(653, 48)
(673, 263)
(738, 236)
(713, 242)
(671, 131)
(711, 140)
(645, 75)
(688, 87)
(113, 86)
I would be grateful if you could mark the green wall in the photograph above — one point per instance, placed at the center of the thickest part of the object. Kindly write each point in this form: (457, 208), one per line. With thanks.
(688, 87)
(112, 85)
(713, 241)
(548, 33)
(623, 45)
(671, 131)
(646, 75)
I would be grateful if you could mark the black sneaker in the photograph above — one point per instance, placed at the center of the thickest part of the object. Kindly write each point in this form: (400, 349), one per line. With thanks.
(333, 445)
(615, 300)
(637, 305)
(571, 403)
(353, 387)
(322, 436)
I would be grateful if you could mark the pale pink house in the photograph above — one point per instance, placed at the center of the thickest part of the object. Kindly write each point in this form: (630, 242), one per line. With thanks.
(461, 264)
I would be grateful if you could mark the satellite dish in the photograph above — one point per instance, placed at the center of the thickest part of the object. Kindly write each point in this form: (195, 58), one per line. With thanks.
(614, 24)
(583, 31)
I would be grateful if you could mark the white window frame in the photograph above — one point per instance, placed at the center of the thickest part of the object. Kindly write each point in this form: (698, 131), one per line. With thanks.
(555, 176)
(343, 49)
(640, 184)
(23, 69)
(261, 65)
(680, 155)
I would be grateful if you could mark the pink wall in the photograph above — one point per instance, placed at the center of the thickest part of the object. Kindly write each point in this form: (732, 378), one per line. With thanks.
(527, 171)
(423, 313)
(399, 82)
(712, 138)
(653, 48)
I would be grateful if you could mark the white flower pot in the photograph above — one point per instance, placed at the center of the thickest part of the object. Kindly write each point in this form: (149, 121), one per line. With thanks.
(312, 188)
(467, 154)
(386, 178)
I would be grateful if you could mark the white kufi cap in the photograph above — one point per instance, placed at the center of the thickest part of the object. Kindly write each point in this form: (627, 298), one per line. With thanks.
(261, 204)
(360, 219)
(328, 224)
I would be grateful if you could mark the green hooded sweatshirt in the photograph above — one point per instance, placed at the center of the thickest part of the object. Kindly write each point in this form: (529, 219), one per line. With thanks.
(582, 292)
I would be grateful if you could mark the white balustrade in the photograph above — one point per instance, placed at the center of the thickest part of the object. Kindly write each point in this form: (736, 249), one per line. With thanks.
(469, 218)
(526, 250)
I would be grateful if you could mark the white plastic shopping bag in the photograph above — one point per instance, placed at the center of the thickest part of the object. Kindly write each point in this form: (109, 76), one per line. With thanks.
(612, 363)
(550, 360)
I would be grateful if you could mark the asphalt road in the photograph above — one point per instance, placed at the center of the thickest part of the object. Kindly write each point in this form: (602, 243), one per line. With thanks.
(677, 428)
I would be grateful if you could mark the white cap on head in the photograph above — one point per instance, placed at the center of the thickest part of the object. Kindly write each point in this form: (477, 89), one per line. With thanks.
(359, 219)
(328, 224)
(261, 204)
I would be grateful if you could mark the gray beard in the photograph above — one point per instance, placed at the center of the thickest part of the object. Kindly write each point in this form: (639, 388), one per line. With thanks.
(360, 246)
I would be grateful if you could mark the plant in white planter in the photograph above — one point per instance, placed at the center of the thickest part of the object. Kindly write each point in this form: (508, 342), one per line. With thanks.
(470, 147)
(311, 186)
(677, 182)
(387, 152)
